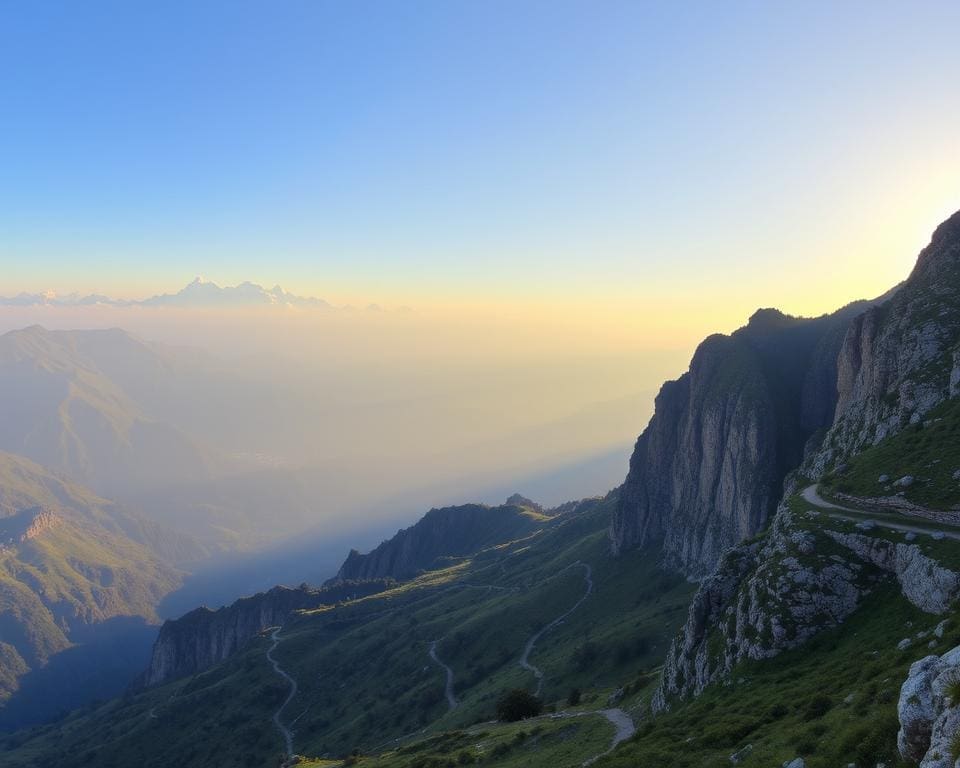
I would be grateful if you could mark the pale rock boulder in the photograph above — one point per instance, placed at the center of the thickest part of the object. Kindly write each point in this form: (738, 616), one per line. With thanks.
(929, 717)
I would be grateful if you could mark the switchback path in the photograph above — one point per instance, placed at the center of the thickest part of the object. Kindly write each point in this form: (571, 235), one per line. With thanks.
(623, 727)
(284, 730)
(623, 730)
(531, 643)
(451, 698)
(812, 496)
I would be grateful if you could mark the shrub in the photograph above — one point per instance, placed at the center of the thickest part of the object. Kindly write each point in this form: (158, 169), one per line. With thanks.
(574, 698)
(518, 704)
(817, 707)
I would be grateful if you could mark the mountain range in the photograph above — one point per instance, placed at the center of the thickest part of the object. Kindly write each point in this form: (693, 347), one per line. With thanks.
(774, 583)
(197, 294)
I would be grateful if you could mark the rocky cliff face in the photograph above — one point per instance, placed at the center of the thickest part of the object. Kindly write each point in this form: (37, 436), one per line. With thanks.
(892, 363)
(810, 572)
(708, 470)
(449, 532)
(902, 358)
(204, 637)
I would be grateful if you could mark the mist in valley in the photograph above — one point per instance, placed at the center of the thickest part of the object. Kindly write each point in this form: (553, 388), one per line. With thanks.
(274, 439)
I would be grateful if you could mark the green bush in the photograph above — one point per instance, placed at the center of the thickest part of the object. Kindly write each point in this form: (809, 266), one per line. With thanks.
(518, 704)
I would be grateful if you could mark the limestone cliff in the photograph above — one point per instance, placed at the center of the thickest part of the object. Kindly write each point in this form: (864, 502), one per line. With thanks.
(205, 637)
(895, 361)
(708, 470)
(902, 358)
(441, 534)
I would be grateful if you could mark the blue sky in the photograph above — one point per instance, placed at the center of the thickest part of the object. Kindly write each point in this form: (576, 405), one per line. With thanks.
(406, 150)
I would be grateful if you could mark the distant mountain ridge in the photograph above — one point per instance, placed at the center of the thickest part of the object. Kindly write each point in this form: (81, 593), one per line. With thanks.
(203, 637)
(67, 407)
(443, 534)
(71, 565)
(197, 294)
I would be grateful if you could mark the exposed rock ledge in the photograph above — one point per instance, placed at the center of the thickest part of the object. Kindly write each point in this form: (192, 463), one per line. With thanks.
(769, 596)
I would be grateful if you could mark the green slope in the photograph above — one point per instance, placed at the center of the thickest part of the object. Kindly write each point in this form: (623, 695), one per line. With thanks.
(73, 568)
(929, 452)
(367, 682)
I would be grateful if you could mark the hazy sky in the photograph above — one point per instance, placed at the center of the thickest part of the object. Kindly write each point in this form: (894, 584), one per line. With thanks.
(637, 159)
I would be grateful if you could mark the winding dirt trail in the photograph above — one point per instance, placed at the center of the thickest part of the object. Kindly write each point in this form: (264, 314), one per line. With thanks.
(532, 642)
(448, 690)
(811, 495)
(623, 727)
(284, 730)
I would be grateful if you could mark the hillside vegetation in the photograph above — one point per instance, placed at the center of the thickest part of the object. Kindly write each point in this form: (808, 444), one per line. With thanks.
(366, 678)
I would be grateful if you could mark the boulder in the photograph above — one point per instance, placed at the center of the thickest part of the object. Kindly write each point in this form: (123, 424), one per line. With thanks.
(929, 717)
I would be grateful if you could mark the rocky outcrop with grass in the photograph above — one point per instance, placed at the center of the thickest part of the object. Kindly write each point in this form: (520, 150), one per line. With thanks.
(809, 573)
(929, 712)
(441, 535)
(203, 637)
(901, 359)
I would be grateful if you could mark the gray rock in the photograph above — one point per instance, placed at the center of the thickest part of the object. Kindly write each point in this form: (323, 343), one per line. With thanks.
(904, 482)
(937, 536)
(924, 582)
(940, 628)
(956, 474)
(929, 717)
(883, 478)
(909, 536)
(884, 363)
(741, 755)
(916, 709)
(707, 471)
(797, 762)
(904, 644)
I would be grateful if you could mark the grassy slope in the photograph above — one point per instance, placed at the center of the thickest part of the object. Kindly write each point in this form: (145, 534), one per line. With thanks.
(796, 704)
(929, 451)
(366, 678)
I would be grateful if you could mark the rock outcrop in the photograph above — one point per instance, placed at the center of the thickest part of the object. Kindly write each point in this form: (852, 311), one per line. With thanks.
(204, 637)
(25, 525)
(740, 419)
(902, 358)
(929, 712)
(775, 594)
(441, 534)
(708, 470)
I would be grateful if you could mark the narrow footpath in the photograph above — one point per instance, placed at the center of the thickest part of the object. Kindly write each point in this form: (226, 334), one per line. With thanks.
(451, 698)
(812, 496)
(284, 730)
(532, 642)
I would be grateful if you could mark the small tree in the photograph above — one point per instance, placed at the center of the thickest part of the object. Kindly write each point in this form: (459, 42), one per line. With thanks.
(518, 704)
(574, 698)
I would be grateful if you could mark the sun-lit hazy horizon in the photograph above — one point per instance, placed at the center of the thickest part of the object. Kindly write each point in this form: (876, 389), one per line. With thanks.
(668, 167)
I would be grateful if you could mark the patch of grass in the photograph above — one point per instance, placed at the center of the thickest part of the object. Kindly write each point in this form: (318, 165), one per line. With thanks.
(928, 451)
